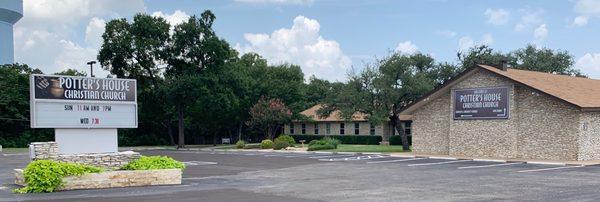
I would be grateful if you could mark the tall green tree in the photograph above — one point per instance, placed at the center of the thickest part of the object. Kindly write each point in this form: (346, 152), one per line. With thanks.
(268, 115)
(194, 48)
(529, 58)
(137, 50)
(384, 88)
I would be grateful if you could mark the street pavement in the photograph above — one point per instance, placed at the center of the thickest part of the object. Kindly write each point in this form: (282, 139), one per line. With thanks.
(269, 176)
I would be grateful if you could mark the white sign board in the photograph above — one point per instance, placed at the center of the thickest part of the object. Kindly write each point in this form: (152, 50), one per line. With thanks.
(82, 102)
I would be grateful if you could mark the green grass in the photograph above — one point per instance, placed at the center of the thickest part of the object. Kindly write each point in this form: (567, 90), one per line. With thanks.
(15, 150)
(367, 148)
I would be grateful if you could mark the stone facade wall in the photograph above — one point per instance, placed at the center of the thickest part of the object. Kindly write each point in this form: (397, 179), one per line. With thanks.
(43, 150)
(589, 136)
(112, 179)
(49, 150)
(484, 138)
(547, 127)
(539, 127)
(364, 128)
(430, 127)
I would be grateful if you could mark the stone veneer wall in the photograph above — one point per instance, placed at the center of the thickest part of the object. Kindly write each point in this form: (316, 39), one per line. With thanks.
(539, 127)
(484, 138)
(589, 136)
(430, 127)
(547, 127)
(49, 150)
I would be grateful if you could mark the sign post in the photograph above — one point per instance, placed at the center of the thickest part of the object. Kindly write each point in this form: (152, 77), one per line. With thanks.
(85, 112)
(481, 103)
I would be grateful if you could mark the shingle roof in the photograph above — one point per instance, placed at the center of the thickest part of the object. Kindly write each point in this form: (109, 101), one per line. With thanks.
(335, 115)
(582, 92)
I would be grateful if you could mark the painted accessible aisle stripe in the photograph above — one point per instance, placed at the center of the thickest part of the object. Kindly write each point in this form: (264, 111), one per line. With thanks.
(492, 165)
(397, 160)
(341, 155)
(438, 163)
(544, 169)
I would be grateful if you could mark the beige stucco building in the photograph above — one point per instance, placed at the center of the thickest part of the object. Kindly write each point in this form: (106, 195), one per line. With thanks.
(508, 113)
(334, 124)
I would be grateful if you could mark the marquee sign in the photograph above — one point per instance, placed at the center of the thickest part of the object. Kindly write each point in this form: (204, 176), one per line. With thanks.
(481, 103)
(82, 102)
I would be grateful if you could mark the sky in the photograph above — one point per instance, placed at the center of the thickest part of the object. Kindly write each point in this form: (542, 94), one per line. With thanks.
(327, 38)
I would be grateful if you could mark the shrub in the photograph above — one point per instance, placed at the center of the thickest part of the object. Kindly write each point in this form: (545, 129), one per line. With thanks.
(344, 139)
(331, 141)
(279, 144)
(286, 138)
(46, 175)
(397, 140)
(153, 163)
(252, 146)
(320, 147)
(240, 144)
(266, 144)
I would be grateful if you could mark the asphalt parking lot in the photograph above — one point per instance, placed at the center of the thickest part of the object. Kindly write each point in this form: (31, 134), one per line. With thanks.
(262, 176)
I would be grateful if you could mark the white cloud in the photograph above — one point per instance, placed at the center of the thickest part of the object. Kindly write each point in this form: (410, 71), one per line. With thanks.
(589, 64)
(588, 7)
(447, 33)
(529, 19)
(50, 36)
(176, 18)
(407, 47)
(497, 16)
(303, 45)
(93, 32)
(580, 21)
(280, 2)
(466, 42)
(540, 34)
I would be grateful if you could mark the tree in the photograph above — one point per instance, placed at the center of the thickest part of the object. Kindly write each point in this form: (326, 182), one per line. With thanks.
(71, 72)
(380, 91)
(528, 58)
(269, 114)
(137, 50)
(194, 48)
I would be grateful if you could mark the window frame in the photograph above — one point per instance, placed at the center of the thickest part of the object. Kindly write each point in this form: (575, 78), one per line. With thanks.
(316, 129)
(342, 128)
(357, 128)
(303, 128)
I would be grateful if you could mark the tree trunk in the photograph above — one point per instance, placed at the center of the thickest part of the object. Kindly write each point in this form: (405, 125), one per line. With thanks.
(170, 132)
(239, 131)
(400, 128)
(181, 141)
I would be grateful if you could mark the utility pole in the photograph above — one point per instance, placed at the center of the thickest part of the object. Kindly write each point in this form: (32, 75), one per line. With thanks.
(91, 63)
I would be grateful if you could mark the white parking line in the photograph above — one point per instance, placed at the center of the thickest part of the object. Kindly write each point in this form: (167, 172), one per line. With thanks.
(492, 165)
(544, 169)
(318, 157)
(437, 163)
(356, 158)
(397, 160)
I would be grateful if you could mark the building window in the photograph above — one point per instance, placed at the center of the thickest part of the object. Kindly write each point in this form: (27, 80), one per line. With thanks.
(407, 127)
(316, 129)
(342, 125)
(356, 128)
(372, 129)
(328, 128)
(292, 129)
(303, 129)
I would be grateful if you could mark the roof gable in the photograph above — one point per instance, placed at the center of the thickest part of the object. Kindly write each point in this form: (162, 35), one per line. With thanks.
(580, 92)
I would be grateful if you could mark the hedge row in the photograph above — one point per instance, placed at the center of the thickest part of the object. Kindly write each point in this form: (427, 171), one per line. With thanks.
(397, 140)
(345, 139)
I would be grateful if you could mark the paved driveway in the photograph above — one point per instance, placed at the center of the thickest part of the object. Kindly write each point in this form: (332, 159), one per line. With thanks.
(260, 176)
